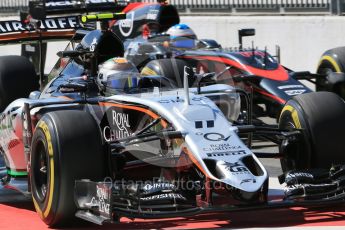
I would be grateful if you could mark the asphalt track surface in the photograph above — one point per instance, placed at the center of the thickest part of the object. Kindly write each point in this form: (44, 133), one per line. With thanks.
(18, 212)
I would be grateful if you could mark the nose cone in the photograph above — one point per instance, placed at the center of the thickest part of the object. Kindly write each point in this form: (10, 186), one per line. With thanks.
(238, 175)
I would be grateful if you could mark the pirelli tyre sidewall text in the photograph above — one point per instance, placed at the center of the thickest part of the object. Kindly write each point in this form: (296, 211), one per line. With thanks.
(43, 147)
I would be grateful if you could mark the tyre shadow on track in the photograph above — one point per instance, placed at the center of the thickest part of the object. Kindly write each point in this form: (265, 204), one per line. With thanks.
(330, 216)
(264, 218)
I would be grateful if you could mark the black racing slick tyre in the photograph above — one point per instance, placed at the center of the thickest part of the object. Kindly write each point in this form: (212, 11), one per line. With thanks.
(332, 60)
(320, 117)
(66, 146)
(173, 69)
(17, 79)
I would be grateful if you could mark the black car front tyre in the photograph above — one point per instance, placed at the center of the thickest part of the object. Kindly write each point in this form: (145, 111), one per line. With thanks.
(66, 146)
(320, 118)
(332, 61)
(17, 79)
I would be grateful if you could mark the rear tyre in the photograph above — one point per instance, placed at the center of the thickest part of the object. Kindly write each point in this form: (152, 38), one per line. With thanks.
(332, 60)
(66, 146)
(17, 79)
(320, 116)
(173, 69)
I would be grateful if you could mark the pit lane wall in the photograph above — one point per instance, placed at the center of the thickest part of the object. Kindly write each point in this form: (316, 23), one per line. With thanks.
(302, 39)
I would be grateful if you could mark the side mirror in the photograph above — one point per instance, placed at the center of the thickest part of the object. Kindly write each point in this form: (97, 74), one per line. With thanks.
(73, 88)
(68, 53)
(35, 95)
(72, 53)
(208, 44)
(244, 33)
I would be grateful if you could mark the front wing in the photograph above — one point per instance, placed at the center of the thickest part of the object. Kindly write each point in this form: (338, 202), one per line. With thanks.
(101, 202)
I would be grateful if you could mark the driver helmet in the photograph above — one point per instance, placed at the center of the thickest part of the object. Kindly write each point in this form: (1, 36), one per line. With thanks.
(117, 75)
(182, 36)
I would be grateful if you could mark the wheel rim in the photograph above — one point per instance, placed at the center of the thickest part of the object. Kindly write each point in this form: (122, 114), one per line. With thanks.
(340, 90)
(293, 151)
(40, 171)
(322, 80)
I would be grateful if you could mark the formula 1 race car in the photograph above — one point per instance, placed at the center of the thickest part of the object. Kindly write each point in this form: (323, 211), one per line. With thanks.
(251, 69)
(101, 141)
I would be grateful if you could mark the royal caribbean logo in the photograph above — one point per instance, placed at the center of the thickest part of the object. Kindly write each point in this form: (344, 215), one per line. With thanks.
(119, 126)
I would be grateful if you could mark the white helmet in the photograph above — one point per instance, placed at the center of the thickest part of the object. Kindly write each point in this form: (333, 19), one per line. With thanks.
(182, 36)
(117, 74)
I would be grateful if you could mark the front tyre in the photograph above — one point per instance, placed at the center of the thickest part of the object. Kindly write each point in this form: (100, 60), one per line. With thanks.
(66, 146)
(17, 79)
(320, 117)
(332, 61)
